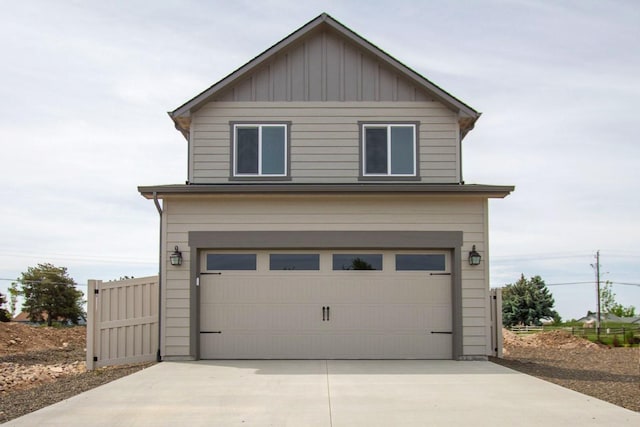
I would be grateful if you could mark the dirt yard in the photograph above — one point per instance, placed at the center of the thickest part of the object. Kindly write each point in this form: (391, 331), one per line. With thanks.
(611, 374)
(40, 366)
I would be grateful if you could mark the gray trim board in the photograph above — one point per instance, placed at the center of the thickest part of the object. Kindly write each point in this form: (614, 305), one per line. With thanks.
(456, 298)
(389, 240)
(325, 239)
(499, 191)
(194, 296)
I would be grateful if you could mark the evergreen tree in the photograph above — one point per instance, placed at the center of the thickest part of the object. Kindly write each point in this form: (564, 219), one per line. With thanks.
(50, 295)
(526, 302)
(4, 314)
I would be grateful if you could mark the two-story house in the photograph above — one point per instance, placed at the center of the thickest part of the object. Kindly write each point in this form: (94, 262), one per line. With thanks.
(325, 214)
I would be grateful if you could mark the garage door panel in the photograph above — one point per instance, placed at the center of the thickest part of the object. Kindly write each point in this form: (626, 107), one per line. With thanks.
(271, 318)
(439, 290)
(379, 346)
(439, 346)
(372, 315)
(439, 318)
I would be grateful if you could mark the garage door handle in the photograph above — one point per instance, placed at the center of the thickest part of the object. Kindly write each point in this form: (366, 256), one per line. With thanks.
(326, 312)
(442, 332)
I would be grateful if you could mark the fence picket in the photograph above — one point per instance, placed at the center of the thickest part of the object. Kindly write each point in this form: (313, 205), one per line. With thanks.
(115, 311)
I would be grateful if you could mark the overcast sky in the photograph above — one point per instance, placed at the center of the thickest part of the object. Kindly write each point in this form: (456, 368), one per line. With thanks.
(85, 87)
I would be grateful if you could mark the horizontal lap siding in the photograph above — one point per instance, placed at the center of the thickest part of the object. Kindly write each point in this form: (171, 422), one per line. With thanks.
(324, 138)
(325, 212)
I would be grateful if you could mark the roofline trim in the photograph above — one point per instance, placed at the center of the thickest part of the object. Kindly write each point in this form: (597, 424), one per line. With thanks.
(494, 191)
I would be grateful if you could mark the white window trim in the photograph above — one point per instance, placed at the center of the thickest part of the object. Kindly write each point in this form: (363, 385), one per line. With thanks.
(389, 126)
(259, 126)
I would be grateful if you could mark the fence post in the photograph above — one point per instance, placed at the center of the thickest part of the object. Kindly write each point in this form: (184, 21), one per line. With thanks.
(91, 322)
(496, 321)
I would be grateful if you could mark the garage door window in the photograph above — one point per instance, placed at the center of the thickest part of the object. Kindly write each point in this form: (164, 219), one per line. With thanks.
(231, 261)
(357, 262)
(420, 262)
(294, 262)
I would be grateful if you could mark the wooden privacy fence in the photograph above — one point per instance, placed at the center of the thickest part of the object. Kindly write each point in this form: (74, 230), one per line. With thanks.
(122, 321)
(495, 300)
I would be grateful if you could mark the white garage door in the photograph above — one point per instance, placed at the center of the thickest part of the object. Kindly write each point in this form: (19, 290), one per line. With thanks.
(342, 305)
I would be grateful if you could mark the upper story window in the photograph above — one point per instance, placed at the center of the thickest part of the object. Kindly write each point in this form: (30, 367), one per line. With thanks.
(389, 150)
(260, 150)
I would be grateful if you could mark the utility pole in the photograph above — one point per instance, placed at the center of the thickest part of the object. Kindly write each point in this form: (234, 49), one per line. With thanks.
(598, 293)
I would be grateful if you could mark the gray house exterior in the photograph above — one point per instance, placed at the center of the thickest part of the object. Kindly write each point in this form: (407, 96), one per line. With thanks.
(325, 213)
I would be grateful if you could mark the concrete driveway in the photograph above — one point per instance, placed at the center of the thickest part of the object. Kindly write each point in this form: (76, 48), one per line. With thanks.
(332, 393)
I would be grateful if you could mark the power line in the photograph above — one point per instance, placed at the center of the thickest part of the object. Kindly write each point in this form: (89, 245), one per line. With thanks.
(585, 283)
(568, 283)
(41, 281)
(100, 259)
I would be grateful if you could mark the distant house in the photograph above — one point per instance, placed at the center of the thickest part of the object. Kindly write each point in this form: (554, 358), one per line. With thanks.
(325, 213)
(22, 317)
(608, 317)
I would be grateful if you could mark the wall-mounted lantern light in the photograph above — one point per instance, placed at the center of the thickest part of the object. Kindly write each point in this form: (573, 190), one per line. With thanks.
(176, 257)
(474, 256)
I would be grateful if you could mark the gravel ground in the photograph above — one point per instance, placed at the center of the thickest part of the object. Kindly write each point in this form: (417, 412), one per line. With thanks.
(31, 397)
(610, 374)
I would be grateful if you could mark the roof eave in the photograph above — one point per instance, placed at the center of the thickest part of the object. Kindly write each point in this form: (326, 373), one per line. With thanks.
(490, 191)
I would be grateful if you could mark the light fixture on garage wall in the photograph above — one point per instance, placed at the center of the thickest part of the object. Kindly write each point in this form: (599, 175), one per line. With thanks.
(176, 257)
(474, 256)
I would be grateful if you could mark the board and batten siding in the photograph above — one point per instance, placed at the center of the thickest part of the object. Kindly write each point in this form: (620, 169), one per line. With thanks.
(323, 213)
(325, 142)
(324, 66)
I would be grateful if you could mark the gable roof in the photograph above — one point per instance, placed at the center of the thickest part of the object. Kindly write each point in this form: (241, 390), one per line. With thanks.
(467, 115)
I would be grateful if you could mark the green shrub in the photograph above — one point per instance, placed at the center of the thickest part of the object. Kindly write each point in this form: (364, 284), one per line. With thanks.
(630, 338)
(615, 341)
